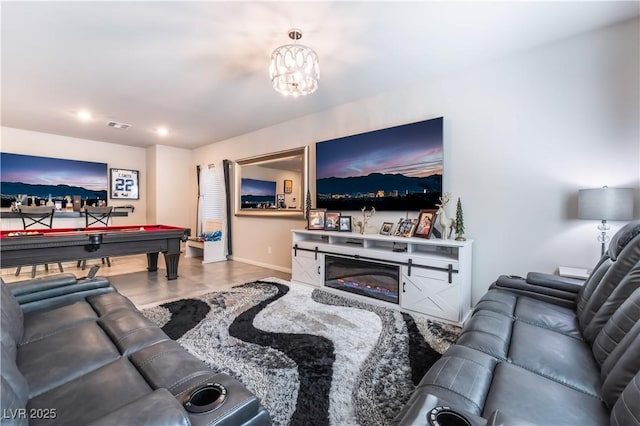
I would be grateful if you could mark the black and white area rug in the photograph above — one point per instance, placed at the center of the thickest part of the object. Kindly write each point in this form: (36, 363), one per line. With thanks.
(312, 357)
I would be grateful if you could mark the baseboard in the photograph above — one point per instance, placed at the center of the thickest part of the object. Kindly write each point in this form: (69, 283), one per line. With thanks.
(261, 264)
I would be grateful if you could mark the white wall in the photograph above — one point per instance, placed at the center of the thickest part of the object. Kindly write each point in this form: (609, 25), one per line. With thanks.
(522, 135)
(170, 180)
(119, 156)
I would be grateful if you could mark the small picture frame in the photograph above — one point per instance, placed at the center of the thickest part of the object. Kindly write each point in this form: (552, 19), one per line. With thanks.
(288, 186)
(398, 231)
(331, 220)
(426, 220)
(316, 219)
(124, 184)
(405, 227)
(280, 201)
(344, 224)
(409, 227)
(386, 227)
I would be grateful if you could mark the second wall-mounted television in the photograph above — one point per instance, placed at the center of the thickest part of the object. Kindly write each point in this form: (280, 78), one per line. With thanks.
(257, 193)
(398, 168)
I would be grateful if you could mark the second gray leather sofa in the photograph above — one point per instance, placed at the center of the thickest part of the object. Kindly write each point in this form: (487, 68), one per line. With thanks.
(524, 360)
(82, 354)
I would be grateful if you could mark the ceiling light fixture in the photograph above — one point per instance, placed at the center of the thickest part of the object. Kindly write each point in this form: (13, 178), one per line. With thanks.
(294, 69)
(162, 131)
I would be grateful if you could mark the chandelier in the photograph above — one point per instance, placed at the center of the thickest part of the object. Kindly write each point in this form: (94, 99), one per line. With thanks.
(294, 68)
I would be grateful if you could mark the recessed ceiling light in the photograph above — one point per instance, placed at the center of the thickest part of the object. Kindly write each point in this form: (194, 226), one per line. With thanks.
(162, 131)
(84, 115)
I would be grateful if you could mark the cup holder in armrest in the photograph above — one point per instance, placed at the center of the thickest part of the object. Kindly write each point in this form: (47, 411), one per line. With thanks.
(445, 416)
(205, 398)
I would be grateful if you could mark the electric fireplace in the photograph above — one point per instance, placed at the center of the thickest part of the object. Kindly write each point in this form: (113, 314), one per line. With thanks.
(370, 279)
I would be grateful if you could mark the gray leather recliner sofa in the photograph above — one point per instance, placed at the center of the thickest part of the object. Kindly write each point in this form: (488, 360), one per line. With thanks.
(544, 350)
(77, 352)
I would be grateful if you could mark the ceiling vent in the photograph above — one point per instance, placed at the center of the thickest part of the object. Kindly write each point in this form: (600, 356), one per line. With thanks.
(117, 125)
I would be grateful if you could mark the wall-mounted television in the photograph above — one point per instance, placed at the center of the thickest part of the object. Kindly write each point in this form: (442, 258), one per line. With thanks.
(397, 168)
(256, 193)
(38, 178)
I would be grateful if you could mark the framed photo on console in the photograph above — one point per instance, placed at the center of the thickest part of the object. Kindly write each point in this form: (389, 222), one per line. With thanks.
(386, 228)
(316, 219)
(345, 224)
(424, 227)
(125, 184)
(331, 221)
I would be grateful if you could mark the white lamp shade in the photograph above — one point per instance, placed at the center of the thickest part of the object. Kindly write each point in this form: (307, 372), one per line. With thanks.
(605, 203)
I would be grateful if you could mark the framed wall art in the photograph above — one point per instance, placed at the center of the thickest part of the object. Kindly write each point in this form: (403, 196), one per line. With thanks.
(125, 184)
(288, 186)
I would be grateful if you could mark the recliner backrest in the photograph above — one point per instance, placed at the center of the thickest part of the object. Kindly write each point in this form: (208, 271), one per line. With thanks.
(619, 294)
(13, 386)
(11, 321)
(626, 411)
(623, 254)
(617, 349)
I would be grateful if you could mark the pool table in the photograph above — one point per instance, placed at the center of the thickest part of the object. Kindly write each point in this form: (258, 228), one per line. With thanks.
(39, 246)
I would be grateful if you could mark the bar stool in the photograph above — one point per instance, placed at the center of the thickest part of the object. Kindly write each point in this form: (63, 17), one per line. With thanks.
(96, 216)
(37, 215)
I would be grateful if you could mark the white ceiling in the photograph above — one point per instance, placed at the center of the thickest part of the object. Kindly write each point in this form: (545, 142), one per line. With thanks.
(201, 68)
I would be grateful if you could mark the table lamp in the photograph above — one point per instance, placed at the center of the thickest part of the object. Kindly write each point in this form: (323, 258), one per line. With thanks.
(605, 204)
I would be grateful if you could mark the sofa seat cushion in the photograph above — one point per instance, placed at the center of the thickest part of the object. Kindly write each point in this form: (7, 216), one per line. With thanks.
(555, 356)
(549, 316)
(109, 302)
(61, 357)
(158, 408)
(92, 395)
(521, 393)
(40, 324)
(130, 330)
(488, 332)
(532, 311)
(499, 301)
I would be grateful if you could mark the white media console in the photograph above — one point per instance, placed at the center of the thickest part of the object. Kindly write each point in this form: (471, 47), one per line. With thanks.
(434, 275)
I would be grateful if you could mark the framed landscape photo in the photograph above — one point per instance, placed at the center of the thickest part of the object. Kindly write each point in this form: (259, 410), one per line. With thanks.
(386, 228)
(288, 186)
(331, 221)
(316, 219)
(125, 184)
(345, 224)
(426, 219)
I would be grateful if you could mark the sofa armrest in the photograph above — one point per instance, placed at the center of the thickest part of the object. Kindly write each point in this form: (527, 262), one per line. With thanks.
(419, 410)
(557, 282)
(155, 409)
(48, 292)
(557, 290)
(36, 285)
